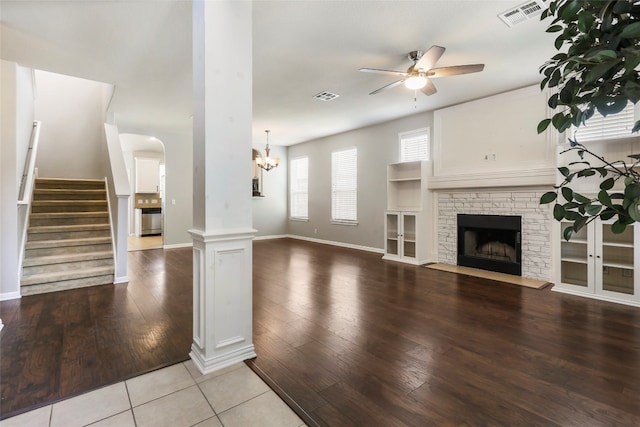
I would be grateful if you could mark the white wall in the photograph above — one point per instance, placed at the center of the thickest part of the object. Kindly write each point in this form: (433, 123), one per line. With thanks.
(16, 115)
(24, 108)
(270, 211)
(72, 136)
(178, 160)
(492, 138)
(377, 147)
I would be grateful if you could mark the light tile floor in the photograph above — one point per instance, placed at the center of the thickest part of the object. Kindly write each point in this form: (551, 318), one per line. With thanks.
(175, 396)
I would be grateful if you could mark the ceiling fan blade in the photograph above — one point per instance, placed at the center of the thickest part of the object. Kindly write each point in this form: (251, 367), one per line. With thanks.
(455, 70)
(389, 86)
(429, 88)
(377, 71)
(429, 58)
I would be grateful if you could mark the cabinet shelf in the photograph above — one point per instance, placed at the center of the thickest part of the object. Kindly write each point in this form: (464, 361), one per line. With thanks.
(575, 260)
(614, 264)
(577, 241)
(618, 244)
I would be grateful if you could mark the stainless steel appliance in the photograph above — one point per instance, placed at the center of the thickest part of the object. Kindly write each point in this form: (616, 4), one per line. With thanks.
(151, 221)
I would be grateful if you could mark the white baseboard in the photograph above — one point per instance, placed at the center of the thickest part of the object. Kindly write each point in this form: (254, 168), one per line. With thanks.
(595, 296)
(178, 245)
(275, 236)
(341, 244)
(121, 279)
(10, 295)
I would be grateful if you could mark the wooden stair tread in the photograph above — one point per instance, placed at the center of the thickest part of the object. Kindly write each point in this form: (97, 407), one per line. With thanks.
(67, 228)
(67, 242)
(72, 219)
(56, 215)
(66, 258)
(68, 201)
(65, 275)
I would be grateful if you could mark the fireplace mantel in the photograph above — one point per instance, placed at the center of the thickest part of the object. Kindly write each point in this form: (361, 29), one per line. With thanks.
(535, 177)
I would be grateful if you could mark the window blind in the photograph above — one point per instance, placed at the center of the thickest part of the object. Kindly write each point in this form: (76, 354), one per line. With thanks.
(344, 185)
(299, 188)
(611, 126)
(414, 145)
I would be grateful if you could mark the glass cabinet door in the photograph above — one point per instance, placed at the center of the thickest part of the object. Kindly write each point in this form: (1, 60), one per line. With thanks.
(616, 272)
(392, 233)
(575, 268)
(409, 235)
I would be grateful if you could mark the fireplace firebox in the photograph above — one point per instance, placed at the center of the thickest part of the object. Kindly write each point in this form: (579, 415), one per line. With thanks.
(490, 242)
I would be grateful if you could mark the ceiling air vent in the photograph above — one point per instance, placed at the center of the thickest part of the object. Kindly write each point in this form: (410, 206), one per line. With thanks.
(326, 96)
(523, 12)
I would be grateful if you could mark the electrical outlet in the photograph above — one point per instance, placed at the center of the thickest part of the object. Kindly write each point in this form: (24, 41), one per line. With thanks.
(315, 231)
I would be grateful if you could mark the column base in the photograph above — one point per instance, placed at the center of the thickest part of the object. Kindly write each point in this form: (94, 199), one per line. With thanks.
(215, 363)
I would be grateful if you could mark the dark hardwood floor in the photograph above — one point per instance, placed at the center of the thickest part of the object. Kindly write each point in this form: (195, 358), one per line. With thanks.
(356, 340)
(352, 339)
(65, 343)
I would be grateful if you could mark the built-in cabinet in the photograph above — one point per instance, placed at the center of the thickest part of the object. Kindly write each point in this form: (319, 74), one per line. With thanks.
(600, 263)
(147, 175)
(407, 198)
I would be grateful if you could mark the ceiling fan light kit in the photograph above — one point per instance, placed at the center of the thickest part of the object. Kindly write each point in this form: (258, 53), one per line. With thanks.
(416, 82)
(417, 76)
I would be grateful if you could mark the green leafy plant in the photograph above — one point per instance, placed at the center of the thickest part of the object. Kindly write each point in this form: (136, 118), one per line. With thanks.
(595, 70)
(598, 69)
(607, 204)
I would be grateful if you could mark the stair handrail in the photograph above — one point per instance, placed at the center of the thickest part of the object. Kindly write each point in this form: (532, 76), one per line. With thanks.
(25, 192)
(29, 171)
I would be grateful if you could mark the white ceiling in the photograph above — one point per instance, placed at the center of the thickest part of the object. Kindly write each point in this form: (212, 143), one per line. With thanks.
(300, 48)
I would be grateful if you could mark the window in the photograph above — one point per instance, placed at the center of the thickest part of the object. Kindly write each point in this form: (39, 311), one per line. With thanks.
(344, 185)
(613, 126)
(299, 188)
(414, 145)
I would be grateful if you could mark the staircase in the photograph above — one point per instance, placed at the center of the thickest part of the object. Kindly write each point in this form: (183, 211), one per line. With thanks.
(69, 237)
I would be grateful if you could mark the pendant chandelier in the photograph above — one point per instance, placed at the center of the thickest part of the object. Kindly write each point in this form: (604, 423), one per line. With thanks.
(267, 163)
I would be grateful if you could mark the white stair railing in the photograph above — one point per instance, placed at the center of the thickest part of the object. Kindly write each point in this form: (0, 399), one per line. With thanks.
(29, 174)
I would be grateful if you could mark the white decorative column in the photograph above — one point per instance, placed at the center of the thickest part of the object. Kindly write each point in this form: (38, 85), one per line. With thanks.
(222, 220)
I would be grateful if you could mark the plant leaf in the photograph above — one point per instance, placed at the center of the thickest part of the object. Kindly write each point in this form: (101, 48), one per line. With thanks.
(558, 212)
(592, 210)
(548, 197)
(543, 125)
(603, 198)
(632, 191)
(633, 210)
(580, 198)
(607, 214)
(607, 184)
(567, 193)
(631, 31)
(618, 227)
(564, 171)
(579, 223)
(567, 233)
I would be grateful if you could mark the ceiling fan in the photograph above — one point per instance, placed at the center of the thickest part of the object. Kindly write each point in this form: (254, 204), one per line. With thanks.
(419, 74)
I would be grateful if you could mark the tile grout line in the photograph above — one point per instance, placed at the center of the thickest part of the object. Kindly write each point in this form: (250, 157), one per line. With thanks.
(133, 414)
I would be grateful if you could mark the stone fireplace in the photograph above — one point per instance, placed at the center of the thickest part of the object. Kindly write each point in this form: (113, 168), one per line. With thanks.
(535, 223)
(490, 242)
